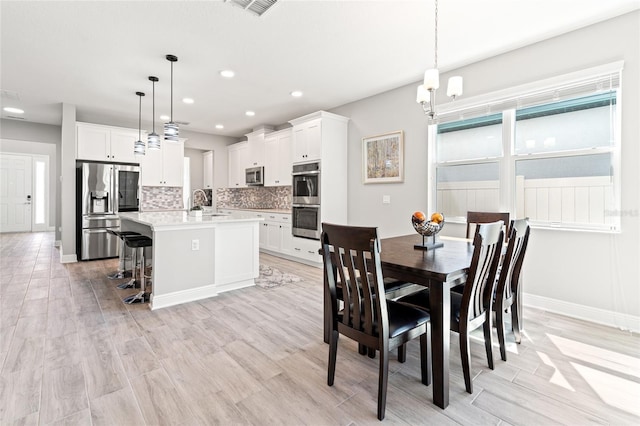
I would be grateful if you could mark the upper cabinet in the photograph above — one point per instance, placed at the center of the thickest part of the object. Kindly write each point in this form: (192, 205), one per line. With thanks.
(207, 170)
(164, 166)
(277, 159)
(307, 136)
(238, 162)
(319, 136)
(105, 143)
(256, 150)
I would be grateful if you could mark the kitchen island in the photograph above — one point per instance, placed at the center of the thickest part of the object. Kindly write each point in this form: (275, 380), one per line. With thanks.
(197, 257)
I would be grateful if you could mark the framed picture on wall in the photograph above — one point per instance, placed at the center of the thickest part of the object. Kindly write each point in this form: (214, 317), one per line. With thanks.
(383, 158)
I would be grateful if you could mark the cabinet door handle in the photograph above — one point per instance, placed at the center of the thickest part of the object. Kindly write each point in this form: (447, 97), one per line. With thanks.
(296, 248)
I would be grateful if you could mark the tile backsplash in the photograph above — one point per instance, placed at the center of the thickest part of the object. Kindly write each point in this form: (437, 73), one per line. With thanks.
(269, 197)
(161, 198)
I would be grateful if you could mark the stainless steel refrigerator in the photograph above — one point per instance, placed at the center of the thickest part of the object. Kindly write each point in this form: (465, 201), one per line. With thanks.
(103, 190)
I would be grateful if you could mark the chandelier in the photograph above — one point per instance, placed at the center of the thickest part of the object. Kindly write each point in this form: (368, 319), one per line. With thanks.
(427, 91)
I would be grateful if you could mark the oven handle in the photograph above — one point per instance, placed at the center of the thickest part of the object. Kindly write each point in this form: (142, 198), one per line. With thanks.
(306, 205)
(312, 172)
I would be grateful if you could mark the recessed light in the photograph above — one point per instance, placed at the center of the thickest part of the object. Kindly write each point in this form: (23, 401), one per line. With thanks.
(250, 113)
(14, 110)
(165, 117)
(187, 100)
(219, 126)
(296, 93)
(227, 73)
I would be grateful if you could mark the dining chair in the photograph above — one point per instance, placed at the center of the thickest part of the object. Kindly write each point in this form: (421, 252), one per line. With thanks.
(351, 255)
(472, 308)
(476, 218)
(507, 293)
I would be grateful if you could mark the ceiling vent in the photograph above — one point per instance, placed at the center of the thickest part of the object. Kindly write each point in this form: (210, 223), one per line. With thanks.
(10, 94)
(257, 7)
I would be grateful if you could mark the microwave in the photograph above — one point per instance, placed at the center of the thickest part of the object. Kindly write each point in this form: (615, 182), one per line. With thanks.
(254, 176)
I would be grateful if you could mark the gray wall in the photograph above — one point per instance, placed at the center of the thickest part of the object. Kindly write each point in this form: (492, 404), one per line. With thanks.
(196, 166)
(583, 273)
(22, 137)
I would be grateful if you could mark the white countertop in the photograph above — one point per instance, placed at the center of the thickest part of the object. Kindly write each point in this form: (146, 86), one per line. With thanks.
(181, 218)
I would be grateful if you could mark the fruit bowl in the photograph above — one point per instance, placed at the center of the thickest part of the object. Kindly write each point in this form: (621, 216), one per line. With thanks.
(427, 228)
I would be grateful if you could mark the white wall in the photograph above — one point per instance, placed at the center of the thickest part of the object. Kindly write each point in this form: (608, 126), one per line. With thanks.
(22, 137)
(580, 273)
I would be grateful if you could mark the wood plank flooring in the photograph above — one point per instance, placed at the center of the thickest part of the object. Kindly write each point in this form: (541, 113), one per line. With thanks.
(72, 353)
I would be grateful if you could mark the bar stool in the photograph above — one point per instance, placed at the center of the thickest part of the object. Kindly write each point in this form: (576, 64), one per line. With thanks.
(138, 243)
(122, 271)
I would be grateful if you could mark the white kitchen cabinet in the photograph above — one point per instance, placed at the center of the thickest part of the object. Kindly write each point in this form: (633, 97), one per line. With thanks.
(256, 151)
(307, 141)
(306, 249)
(207, 169)
(277, 160)
(164, 166)
(105, 143)
(237, 160)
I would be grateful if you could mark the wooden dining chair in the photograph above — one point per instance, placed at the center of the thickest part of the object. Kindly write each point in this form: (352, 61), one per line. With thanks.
(507, 293)
(476, 218)
(351, 255)
(472, 308)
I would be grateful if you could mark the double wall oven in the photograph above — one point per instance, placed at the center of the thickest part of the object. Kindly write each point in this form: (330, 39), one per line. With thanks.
(306, 201)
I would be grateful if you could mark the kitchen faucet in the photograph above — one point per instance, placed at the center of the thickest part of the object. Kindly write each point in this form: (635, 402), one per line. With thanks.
(204, 194)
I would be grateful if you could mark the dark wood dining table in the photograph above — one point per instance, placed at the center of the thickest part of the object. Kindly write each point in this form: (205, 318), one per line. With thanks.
(439, 269)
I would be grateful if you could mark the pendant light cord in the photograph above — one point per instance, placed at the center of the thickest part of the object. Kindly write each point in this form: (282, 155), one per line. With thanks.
(153, 107)
(172, 92)
(140, 118)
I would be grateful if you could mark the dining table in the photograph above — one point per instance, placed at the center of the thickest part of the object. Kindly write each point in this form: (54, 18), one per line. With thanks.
(439, 269)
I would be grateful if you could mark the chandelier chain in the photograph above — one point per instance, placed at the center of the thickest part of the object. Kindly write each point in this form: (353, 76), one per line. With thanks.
(435, 62)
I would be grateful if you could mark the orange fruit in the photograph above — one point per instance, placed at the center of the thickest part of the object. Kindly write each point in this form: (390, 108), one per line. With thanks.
(418, 217)
(437, 217)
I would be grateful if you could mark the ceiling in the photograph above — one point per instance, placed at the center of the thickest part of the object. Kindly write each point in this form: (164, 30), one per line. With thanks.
(97, 54)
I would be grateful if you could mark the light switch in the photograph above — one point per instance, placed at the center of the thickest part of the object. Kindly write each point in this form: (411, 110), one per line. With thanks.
(386, 199)
(195, 245)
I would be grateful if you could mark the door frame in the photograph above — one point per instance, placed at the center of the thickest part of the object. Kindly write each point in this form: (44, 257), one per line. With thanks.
(45, 226)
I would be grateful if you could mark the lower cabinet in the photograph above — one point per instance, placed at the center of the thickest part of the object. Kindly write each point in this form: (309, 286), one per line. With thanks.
(276, 238)
(306, 249)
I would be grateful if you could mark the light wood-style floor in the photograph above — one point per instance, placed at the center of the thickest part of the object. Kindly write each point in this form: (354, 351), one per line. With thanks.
(72, 353)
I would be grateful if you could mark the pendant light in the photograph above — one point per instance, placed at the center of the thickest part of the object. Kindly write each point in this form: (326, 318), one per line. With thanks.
(138, 146)
(171, 129)
(426, 95)
(153, 141)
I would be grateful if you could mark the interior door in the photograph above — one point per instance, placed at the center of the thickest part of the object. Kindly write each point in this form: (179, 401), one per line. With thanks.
(15, 193)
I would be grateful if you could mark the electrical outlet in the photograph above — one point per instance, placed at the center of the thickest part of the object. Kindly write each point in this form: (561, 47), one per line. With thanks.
(386, 199)
(195, 245)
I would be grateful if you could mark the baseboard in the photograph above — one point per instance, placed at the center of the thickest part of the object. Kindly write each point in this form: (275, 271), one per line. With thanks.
(67, 258)
(587, 313)
(57, 243)
(184, 296)
(235, 285)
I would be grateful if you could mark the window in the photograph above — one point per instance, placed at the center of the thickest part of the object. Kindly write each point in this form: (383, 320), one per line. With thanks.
(551, 155)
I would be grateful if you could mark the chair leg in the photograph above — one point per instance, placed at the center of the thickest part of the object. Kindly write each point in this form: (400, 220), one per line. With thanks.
(425, 357)
(382, 383)
(516, 322)
(500, 328)
(488, 340)
(333, 351)
(402, 353)
(465, 357)
(371, 352)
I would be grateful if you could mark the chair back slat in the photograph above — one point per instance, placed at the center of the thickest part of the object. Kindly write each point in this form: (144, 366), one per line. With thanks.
(513, 259)
(478, 290)
(352, 257)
